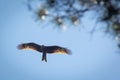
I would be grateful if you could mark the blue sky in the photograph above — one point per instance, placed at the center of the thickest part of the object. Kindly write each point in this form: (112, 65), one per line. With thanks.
(92, 59)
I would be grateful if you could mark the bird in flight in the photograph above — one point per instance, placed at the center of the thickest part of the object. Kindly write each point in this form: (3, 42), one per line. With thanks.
(44, 49)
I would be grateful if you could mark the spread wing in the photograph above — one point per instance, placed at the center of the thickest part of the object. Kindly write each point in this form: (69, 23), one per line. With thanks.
(57, 49)
(30, 46)
(48, 49)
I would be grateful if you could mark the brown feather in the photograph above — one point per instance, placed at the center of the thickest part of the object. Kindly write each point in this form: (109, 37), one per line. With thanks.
(62, 51)
(26, 47)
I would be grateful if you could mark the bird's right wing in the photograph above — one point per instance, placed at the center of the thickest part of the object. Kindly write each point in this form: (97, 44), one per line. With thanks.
(29, 46)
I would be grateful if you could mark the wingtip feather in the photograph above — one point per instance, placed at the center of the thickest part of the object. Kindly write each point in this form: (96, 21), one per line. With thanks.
(69, 52)
(20, 47)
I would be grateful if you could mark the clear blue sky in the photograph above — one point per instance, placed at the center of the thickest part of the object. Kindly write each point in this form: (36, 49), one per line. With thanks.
(92, 59)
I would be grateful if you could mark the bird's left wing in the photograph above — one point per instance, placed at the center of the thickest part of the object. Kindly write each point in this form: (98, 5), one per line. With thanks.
(58, 49)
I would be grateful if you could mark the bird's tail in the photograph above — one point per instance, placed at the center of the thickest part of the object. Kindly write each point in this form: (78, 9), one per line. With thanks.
(44, 58)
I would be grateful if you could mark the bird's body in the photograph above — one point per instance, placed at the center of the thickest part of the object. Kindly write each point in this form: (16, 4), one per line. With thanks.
(44, 49)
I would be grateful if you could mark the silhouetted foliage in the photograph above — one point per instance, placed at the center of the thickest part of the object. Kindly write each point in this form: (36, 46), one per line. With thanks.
(63, 12)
